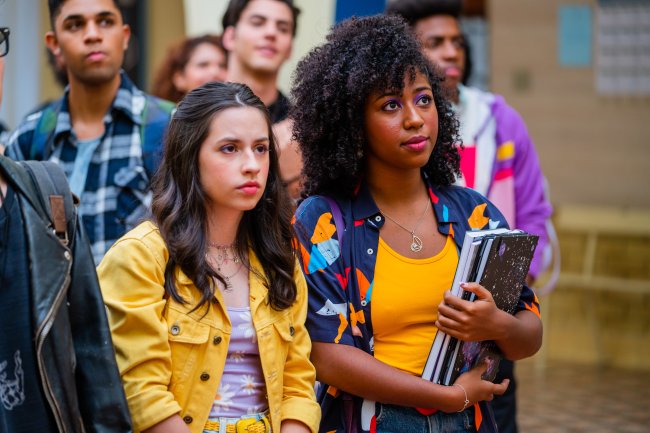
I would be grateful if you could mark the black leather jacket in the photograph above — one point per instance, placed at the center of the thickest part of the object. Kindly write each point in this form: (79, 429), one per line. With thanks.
(72, 339)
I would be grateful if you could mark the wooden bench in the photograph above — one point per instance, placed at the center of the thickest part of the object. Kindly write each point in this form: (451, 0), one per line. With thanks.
(594, 223)
(589, 228)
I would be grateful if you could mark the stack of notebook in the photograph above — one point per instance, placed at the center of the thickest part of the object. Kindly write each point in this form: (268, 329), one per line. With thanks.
(499, 260)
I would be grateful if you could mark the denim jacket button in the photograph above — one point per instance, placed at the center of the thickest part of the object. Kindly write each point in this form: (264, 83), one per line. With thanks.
(175, 329)
(216, 339)
(370, 251)
(188, 419)
(364, 302)
(205, 377)
(292, 330)
(378, 218)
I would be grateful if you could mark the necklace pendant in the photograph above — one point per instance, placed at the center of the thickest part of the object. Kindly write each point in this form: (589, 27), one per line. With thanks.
(416, 245)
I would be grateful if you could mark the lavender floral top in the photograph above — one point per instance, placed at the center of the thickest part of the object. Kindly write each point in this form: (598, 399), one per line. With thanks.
(242, 390)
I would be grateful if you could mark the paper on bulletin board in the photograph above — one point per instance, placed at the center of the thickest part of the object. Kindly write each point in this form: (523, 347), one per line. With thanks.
(575, 35)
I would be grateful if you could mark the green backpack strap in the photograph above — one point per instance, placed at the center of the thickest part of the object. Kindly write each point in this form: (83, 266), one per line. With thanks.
(54, 196)
(156, 114)
(43, 138)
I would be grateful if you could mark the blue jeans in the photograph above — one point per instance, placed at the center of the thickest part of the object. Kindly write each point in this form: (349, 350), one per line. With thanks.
(400, 419)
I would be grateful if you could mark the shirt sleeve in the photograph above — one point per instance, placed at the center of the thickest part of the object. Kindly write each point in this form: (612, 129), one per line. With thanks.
(325, 271)
(131, 276)
(299, 401)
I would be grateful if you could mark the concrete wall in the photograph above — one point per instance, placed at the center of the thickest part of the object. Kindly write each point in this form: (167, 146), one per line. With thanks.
(594, 150)
(22, 86)
(166, 25)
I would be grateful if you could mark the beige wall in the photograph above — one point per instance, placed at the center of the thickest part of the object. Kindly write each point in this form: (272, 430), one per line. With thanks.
(315, 20)
(594, 150)
(165, 27)
(50, 89)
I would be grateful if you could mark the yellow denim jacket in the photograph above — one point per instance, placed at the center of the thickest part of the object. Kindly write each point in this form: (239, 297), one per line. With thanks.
(171, 360)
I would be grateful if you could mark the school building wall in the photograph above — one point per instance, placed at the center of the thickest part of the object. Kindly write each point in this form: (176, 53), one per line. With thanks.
(594, 151)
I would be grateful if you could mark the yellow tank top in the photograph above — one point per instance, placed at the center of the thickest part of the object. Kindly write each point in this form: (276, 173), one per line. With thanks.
(405, 297)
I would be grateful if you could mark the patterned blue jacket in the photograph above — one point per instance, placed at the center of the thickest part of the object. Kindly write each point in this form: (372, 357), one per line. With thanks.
(340, 280)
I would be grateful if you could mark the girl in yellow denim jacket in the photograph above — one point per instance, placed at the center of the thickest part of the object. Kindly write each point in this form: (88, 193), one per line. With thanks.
(219, 240)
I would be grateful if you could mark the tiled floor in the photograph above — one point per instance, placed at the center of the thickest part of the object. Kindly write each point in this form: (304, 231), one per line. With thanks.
(571, 398)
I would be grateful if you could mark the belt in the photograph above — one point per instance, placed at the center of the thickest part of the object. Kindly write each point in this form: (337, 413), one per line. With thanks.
(253, 424)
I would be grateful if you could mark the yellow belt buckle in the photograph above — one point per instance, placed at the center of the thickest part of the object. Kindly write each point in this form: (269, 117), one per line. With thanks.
(243, 424)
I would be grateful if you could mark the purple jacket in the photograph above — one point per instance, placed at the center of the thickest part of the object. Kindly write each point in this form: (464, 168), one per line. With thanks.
(517, 186)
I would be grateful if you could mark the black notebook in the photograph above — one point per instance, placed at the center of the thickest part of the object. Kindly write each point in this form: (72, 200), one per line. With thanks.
(499, 261)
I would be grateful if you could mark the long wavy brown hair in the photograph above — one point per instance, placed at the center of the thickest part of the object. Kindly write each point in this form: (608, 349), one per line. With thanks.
(177, 58)
(179, 202)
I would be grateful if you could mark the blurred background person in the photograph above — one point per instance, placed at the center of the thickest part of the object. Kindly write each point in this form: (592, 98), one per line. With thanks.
(104, 131)
(258, 35)
(188, 65)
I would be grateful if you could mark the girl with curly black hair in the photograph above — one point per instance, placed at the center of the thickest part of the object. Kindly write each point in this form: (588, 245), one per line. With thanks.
(379, 233)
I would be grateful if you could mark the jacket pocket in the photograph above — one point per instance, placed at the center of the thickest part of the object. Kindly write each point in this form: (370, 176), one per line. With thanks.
(274, 341)
(133, 199)
(285, 329)
(187, 340)
(282, 331)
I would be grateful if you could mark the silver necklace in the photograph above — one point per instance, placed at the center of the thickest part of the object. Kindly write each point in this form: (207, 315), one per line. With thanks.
(225, 253)
(416, 242)
(227, 278)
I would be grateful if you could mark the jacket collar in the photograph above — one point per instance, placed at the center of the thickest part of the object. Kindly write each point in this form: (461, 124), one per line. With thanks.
(258, 290)
(364, 206)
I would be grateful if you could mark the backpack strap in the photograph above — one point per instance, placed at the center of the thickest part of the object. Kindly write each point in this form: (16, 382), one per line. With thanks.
(155, 115)
(350, 417)
(338, 219)
(43, 138)
(55, 198)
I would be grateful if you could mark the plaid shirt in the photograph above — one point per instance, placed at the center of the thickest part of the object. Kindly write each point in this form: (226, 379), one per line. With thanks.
(340, 280)
(117, 194)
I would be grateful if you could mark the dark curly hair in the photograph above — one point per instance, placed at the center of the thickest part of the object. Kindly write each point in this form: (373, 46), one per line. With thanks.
(415, 10)
(179, 211)
(331, 87)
